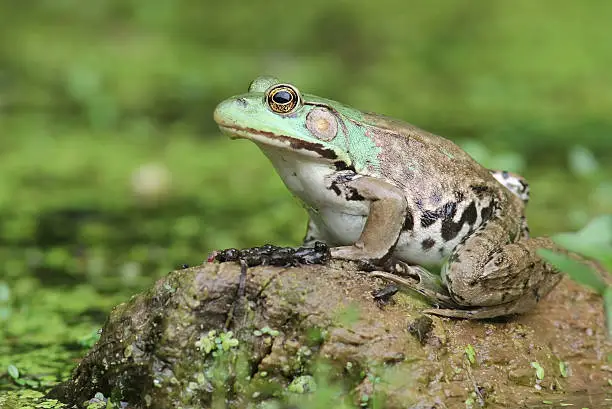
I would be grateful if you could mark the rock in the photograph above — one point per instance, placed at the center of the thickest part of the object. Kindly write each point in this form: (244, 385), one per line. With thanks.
(190, 342)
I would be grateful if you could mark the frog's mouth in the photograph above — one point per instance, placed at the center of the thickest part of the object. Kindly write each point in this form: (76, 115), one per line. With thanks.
(279, 141)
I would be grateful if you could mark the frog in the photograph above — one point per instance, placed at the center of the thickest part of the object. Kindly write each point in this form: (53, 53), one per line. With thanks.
(386, 193)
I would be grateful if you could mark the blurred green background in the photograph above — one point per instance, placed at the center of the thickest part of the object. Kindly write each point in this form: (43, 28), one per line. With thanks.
(112, 171)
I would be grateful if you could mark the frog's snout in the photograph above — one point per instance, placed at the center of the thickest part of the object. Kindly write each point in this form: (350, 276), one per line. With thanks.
(230, 109)
(223, 111)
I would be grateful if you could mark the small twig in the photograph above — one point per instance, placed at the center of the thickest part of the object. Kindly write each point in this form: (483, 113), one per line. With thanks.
(481, 400)
(240, 294)
(242, 280)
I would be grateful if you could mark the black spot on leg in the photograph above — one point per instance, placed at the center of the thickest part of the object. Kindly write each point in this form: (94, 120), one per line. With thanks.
(428, 218)
(479, 190)
(459, 196)
(428, 243)
(470, 214)
(450, 229)
(449, 210)
(353, 194)
(344, 177)
(340, 186)
(486, 212)
(334, 186)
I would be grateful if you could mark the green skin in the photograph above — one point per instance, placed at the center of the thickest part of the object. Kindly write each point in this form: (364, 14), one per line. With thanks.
(383, 191)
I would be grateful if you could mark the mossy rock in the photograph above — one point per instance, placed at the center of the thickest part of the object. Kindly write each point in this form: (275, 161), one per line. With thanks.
(172, 346)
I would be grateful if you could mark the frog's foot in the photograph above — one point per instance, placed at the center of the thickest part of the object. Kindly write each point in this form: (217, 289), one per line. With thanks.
(274, 255)
(429, 287)
(518, 306)
(477, 313)
(418, 279)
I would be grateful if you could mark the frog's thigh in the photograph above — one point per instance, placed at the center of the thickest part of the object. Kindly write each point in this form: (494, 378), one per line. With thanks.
(388, 210)
(518, 306)
(480, 278)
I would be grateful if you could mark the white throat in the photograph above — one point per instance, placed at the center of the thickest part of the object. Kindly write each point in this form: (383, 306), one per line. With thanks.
(305, 176)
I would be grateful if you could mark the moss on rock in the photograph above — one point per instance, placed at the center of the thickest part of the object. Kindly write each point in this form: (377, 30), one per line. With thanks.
(190, 342)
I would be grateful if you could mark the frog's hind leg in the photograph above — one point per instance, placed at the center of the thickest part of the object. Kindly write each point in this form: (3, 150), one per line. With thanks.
(489, 282)
(416, 278)
(515, 273)
(519, 306)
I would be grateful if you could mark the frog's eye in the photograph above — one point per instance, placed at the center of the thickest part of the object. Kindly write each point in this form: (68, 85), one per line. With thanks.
(283, 98)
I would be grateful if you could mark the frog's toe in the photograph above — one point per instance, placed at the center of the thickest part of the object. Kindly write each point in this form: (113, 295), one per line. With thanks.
(449, 313)
(461, 314)
(481, 313)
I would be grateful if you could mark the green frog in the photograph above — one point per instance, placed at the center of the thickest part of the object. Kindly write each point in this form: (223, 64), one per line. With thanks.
(382, 191)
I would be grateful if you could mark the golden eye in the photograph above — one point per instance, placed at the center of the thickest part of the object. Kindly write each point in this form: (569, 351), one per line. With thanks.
(283, 98)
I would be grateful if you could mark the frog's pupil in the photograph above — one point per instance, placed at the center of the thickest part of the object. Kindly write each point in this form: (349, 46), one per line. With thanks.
(282, 97)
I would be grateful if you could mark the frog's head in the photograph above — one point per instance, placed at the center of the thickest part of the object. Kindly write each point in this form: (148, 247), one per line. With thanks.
(276, 115)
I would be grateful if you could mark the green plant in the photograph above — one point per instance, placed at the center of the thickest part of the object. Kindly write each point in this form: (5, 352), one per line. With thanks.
(216, 343)
(595, 242)
(470, 354)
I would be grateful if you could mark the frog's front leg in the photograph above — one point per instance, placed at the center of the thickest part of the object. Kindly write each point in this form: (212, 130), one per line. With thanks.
(386, 218)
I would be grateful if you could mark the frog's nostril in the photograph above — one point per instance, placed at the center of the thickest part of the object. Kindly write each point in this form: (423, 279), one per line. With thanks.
(242, 101)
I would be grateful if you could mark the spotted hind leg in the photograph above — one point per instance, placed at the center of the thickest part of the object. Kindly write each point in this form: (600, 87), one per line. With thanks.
(487, 279)
(448, 308)
(521, 305)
